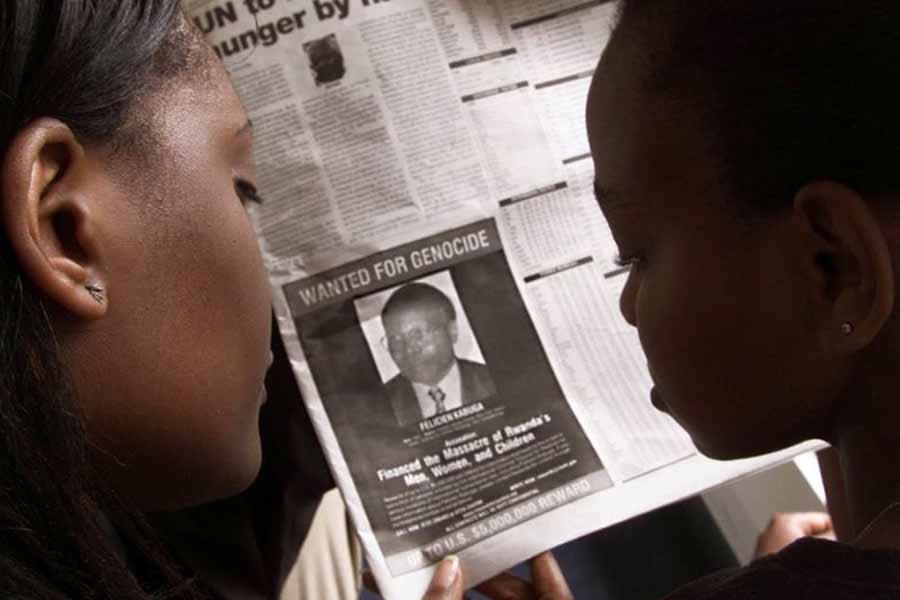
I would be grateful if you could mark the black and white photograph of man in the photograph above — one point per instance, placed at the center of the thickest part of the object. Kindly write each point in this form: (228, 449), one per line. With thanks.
(421, 331)
(408, 365)
(325, 59)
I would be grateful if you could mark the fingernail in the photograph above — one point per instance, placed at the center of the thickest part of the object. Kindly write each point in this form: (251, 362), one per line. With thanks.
(448, 572)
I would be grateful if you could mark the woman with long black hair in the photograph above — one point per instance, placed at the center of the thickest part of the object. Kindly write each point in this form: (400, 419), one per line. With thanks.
(747, 159)
(134, 309)
(135, 320)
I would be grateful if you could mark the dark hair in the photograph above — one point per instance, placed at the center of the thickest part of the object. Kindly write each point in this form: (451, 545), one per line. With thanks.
(416, 295)
(789, 91)
(85, 63)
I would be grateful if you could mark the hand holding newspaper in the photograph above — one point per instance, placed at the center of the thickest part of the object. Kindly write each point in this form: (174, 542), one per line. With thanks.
(444, 281)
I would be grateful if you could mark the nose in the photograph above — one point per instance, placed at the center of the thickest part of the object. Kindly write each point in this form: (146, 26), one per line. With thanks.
(414, 346)
(628, 300)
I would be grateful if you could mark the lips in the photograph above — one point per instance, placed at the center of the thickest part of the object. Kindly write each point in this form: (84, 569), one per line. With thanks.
(657, 401)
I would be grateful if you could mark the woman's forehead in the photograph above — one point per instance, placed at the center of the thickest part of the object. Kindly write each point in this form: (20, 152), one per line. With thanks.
(645, 143)
(187, 107)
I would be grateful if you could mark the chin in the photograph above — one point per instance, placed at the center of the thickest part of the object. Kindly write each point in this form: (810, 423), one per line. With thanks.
(230, 475)
(730, 450)
(719, 453)
(244, 471)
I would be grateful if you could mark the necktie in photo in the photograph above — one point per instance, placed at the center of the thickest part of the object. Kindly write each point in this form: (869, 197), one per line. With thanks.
(437, 395)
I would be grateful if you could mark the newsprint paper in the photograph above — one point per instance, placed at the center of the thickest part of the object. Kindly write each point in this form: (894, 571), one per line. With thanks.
(443, 278)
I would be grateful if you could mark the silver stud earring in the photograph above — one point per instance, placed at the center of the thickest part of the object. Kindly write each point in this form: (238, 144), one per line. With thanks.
(96, 292)
(847, 328)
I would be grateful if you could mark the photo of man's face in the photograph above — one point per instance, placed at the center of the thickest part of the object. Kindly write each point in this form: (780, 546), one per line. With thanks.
(420, 339)
(325, 59)
(424, 348)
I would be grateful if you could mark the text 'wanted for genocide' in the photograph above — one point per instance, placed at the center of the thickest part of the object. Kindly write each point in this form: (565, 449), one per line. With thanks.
(395, 266)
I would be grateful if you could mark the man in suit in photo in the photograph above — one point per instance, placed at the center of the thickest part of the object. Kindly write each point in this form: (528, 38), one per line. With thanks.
(420, 333)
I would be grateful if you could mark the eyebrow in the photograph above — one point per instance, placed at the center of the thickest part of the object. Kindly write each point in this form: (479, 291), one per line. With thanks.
(606, 197)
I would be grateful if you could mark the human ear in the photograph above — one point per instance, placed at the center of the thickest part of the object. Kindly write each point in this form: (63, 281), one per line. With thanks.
(46, 214)
(848, 263)
(453, 329)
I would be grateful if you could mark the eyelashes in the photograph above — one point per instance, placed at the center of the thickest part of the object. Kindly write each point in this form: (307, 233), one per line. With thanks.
(247, 192)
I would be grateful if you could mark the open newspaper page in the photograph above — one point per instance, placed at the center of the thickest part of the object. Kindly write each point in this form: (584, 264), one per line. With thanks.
(443, 277)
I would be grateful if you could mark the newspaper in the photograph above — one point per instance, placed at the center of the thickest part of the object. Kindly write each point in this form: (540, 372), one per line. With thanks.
(443, 278)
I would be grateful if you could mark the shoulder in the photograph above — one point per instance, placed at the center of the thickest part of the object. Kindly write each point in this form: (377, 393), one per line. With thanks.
(754, 581)
(473, 369)
(397, 382)
(476, 381)
(399, 389)
(808, 568)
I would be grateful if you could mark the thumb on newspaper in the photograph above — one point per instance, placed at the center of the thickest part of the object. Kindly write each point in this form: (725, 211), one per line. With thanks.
(447, 582)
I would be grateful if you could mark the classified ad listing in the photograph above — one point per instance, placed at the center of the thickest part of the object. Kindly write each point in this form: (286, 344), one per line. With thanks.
(440, 395)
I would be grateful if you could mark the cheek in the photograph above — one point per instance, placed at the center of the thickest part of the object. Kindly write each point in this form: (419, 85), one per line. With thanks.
(225, 311)
(706, 332)
(441, 346)
(196, 324)
(402, 360)
(223, 334)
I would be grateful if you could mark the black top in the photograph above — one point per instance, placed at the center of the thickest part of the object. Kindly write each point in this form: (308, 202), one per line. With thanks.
(243, 548)
(810, 569)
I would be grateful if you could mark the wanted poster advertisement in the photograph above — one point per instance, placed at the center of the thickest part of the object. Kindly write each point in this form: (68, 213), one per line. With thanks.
(440, 394)
(419, 365)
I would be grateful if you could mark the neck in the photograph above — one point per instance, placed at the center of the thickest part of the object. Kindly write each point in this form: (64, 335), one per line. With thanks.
(868, 444)
(871, 478)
